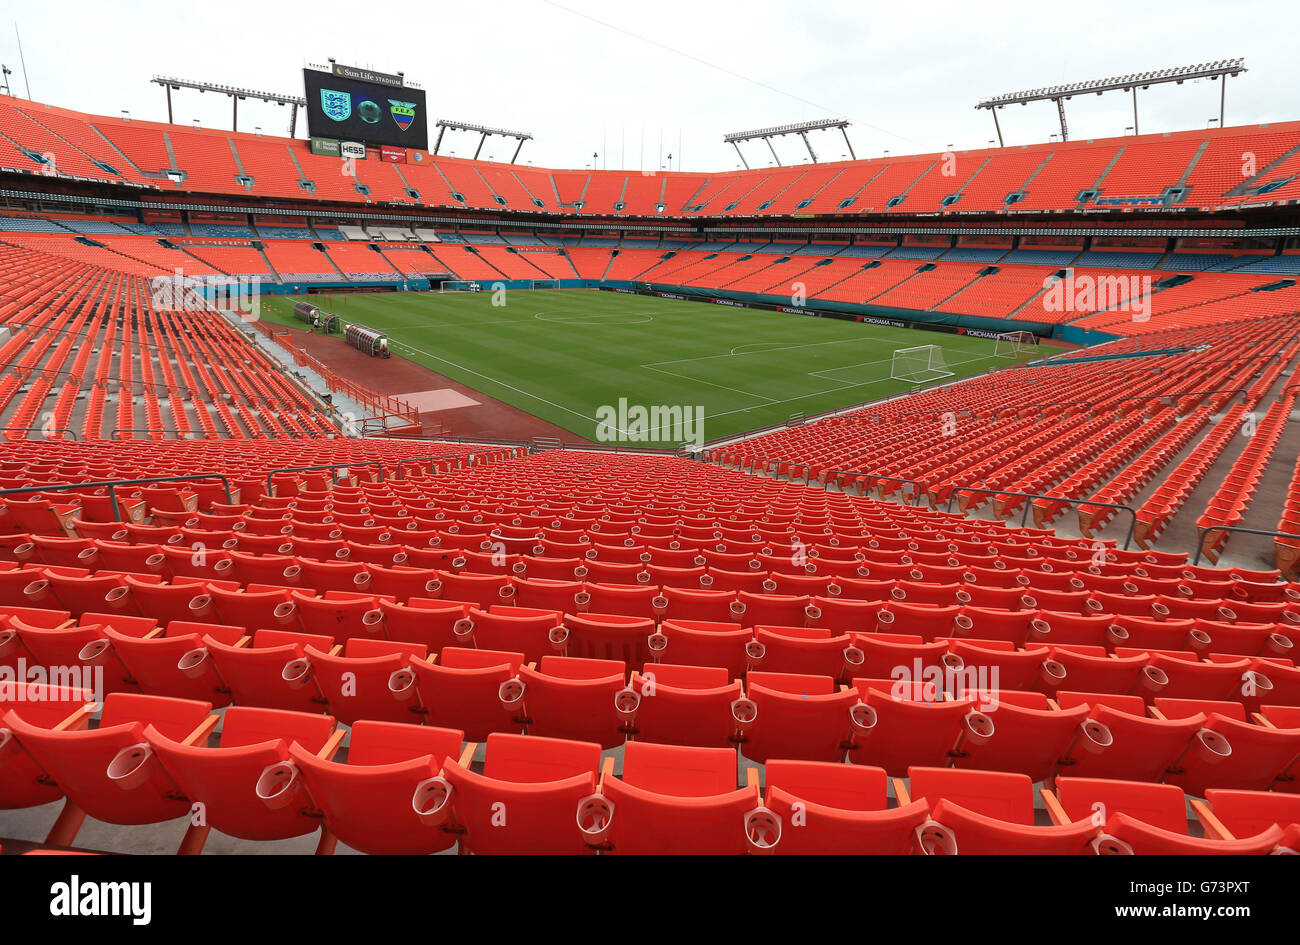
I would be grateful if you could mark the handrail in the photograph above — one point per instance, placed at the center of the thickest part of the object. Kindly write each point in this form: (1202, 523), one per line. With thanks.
(807, 470)
(426, 459)
(968, 411)
(331, 466)
(1190, 393)
(112, 485)
(916, 485)
(203, 434)
(511, 451)
(42, 429)
(1024, 517)
(184, 434)
(1200, 544)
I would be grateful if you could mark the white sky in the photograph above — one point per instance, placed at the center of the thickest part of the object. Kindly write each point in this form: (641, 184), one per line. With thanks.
(907, 74)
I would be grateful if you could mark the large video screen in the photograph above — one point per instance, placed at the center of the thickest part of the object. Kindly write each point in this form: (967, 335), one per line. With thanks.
(368, 112)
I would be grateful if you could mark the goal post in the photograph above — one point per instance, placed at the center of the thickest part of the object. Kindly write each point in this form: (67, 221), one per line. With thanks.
(1015, 344)
(919, 365)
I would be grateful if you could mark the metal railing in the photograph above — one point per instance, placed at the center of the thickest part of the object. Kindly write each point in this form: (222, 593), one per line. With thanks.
(46, 431)
(116, 434)
(322, 466)
(1200, 544)
(189, 435)
(113, 484)
(1190, 393)
(425, 459)
(1024, 516)
(771, 464)
(876, 477)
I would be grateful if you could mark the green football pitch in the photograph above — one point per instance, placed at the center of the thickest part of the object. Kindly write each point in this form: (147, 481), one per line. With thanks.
(572, 356)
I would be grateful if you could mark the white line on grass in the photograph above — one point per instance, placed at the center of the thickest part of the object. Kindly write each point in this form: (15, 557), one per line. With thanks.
(833, 390)
(696, 380)
(508, 386)
(488, 377)
(577, 318)
(811, 344)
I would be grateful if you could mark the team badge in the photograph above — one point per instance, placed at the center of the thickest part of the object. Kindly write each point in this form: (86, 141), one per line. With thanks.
(403, 113)
(336, 105)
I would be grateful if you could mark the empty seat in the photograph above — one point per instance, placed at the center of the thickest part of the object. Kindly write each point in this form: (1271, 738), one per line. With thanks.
(798, 716)
(808, 650)
(1131, 745)
(246, 785)
(106, 772)
(988, 812)
(23, 782)
(1238, 814)
(170, 663)
(572, 698)
(513, 629)
(687, 705)
(1245, 756)
(526, 799)
(83, 649)
(1032, 735)
(369, 679)
(370, 802)
(901, 730)
(1146, 819)
(266, 670)
(828, 808)
(704, 643)
(609, 637)
(461, 689)
(673, 799)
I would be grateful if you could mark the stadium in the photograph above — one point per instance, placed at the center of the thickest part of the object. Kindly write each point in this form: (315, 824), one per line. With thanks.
(354, 491)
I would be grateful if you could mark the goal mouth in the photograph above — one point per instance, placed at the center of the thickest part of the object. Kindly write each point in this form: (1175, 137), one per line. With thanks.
(1015, 344)
(921, 364)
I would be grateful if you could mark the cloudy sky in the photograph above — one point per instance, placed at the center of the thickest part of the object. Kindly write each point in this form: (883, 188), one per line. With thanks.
(613, 79)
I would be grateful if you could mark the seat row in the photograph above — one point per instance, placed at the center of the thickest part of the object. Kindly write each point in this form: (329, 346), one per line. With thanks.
(430, 603)
(274, 775)
(890, 701)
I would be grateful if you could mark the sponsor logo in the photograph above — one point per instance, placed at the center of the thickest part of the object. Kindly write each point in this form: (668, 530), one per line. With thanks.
(329, 147)
(352, 149)
(367, 75)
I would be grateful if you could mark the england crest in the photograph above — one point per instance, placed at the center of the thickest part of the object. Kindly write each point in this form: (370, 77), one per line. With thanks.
(336, 105)
(403, 113)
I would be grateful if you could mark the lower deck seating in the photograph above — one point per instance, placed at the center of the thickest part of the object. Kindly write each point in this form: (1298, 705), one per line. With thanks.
(751, 645)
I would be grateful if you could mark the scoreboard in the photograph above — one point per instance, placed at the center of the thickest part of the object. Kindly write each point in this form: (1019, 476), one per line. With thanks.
(368, 107)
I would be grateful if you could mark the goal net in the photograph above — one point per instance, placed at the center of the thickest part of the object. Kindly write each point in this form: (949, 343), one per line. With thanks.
(1015, 344)
(919, 365)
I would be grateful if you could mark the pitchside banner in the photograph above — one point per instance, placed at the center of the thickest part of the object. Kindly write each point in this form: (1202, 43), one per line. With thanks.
(327, 147)
(343, 106)
(819, 313)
